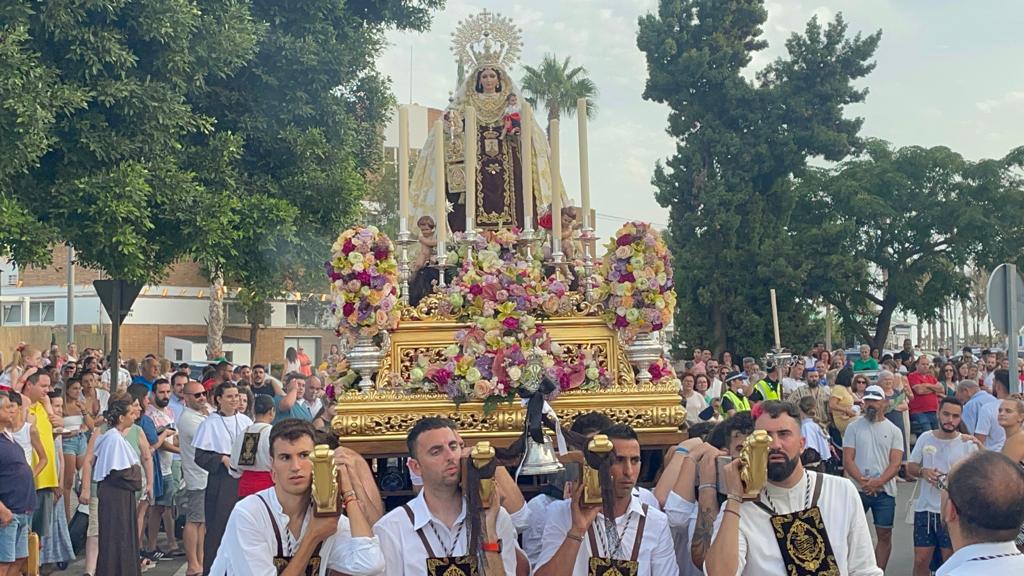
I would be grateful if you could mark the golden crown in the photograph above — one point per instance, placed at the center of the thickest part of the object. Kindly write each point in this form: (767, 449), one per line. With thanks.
(487, 38)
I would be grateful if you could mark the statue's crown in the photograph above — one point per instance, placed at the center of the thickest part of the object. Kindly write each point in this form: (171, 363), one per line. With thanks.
(487, 39)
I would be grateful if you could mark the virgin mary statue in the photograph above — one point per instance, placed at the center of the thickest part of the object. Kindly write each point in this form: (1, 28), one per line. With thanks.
(490, 44)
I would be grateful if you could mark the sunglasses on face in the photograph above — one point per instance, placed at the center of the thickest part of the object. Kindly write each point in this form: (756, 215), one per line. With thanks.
(199, 395)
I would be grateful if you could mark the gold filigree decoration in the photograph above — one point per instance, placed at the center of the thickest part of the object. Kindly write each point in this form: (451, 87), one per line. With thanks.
(487, 38)
(427, 309)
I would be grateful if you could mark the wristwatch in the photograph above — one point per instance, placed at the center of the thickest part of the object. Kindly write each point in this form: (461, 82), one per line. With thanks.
(491, 546)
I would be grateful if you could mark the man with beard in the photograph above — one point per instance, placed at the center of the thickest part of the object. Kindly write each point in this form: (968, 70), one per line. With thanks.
(756, 538)
(159, 411)
(636, 541)
(934, 455)
(264, 384)
(872, 451)
(816, 390)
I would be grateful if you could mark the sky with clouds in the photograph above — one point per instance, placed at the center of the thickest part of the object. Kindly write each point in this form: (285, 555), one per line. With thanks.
(949, 73)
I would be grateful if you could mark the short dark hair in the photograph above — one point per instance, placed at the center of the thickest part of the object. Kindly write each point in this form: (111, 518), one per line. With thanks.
(590, 423)
(620, 432)
(701, 429)
(807, 405)
(742, 422)
(138, 392)
(160, 381)
(263, 405)
(14, 396)
(260, 366)
(776, 408)
(179, 375)
(291, 377)
(988, 515)
(1002, 377)
(291, 429)
(33, 378)
(950, 400)
(426, 424)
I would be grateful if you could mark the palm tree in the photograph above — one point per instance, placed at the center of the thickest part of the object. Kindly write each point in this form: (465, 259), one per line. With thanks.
(558, 84)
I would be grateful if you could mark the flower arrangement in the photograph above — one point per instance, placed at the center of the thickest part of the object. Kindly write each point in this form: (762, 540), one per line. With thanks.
(364, 282)
(337, 378)
(638, 292)
(505, 352)
(662, 372)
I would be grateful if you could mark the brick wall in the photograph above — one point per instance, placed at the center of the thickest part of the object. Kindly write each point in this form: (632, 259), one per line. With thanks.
(180, 274)
(56, 274)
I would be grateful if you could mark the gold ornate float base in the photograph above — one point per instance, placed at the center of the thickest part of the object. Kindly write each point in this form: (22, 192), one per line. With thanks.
(376, 422)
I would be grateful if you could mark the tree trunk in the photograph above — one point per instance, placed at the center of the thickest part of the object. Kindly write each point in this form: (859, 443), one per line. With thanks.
(718, 329)
(554, 113)
(884, 323)
(254, 330)
(215, 323)
(967, 326)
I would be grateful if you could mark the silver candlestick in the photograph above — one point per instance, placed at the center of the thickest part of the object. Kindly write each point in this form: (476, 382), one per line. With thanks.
(405, 240)
(441, 264)
(587, 237)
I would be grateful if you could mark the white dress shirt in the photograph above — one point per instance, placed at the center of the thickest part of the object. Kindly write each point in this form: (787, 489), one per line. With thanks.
(681, 520)
(404, 554)
(249, 546)
(533, 536)
(977, 559)
(841, 511)
(656, 556)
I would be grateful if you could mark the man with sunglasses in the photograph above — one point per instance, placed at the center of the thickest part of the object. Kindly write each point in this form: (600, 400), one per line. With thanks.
(193, 498)
(983, 521)
(934, 455)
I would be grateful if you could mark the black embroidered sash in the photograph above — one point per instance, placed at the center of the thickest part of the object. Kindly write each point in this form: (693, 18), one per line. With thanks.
(280, 560)
(612, 566)
(803, 539)
(465, 565)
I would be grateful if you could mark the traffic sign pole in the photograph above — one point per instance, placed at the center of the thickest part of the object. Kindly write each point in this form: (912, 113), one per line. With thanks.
(1014, 328)
(115, 339)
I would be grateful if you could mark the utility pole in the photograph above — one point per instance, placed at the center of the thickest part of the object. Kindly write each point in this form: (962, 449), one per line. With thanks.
(71, 296)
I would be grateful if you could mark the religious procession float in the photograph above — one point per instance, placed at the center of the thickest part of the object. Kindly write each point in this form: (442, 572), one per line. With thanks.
(492, 304)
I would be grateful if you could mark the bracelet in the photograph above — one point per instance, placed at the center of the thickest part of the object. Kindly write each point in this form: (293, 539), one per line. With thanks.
(349, 500)
(734, 498)
(348, 493)
(572, 536)
(706, 486)
(727, 511)
(682, 450)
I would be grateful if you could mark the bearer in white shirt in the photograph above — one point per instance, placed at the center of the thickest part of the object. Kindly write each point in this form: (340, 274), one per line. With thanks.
(638, 537)
(274, 531)
(436, 523)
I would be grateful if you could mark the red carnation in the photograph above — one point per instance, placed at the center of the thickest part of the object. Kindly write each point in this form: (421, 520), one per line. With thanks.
(348, 308)
(624, 240)
(511, 323)
(348, 247)
(363, 277)
(380, 254)
(476, 290)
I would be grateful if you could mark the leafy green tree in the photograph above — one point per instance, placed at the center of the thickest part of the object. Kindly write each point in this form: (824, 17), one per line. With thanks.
(899, 228)
(557, 85)
(308, 111)
(738, 141)
(99, 161)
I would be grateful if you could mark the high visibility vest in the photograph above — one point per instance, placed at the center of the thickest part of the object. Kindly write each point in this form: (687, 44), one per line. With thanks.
(739, 403)
(766, 390)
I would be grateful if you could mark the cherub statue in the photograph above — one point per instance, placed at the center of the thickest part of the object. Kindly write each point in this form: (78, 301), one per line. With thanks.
(511, 118)
(427, 240)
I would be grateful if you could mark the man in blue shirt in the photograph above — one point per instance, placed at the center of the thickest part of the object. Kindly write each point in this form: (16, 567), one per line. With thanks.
(287, 404)
(150, 369)
(969, 392)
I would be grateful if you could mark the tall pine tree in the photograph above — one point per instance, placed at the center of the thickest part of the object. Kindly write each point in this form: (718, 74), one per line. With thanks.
(738, 143)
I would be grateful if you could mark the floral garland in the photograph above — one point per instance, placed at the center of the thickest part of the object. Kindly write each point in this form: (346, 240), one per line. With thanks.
(638, 292)
(364, 283)
(505, 352)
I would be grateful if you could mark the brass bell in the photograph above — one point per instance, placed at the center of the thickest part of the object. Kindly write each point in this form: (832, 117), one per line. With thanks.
(540, 458)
